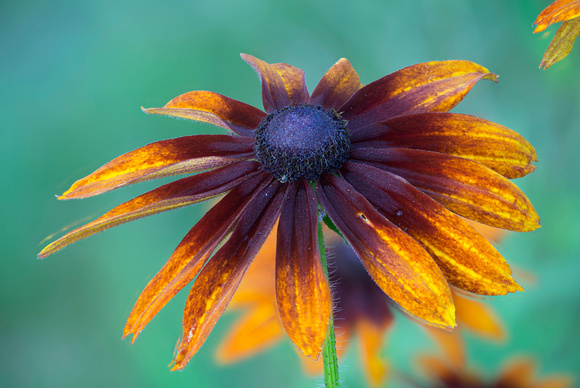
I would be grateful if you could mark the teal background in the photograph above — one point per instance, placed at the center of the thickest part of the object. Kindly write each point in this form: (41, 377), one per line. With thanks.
(72, 78)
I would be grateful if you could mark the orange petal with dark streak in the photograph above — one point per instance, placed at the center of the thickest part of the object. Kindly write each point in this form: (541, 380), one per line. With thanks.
(493, 145)
(163, 158)
(336, 86)
(425, 87)
(465, 257)
(213, 108)
(219, 279)
(396, 262)
(282, 84)
(192, 253)
(558, 11)
(171, 196)
(302, 291)
(461, 185)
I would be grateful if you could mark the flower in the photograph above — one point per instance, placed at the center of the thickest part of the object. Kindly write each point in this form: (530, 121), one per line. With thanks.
(391, 168)
(517, 373)
(361, 310)
(567, 11)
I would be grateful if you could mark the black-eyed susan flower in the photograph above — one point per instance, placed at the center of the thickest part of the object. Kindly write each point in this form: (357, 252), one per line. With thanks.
(361, 311)
(567, 11)
(391, 168)
(517, 373)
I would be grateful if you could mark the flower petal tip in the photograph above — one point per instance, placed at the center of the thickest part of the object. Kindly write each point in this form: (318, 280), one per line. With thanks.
(538, 28)
(443, 317)
(47, 251)
(448, 319)
(179, 362)
(151, 111)
(127, 331)
(492, 76)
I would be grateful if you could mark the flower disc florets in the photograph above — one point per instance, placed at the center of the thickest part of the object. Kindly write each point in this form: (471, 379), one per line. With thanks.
(302, 141)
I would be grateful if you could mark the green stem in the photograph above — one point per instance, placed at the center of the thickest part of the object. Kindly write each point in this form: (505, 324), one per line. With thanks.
(329, 356)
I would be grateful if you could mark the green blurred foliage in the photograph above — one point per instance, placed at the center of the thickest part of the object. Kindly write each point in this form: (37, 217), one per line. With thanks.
(73, 76)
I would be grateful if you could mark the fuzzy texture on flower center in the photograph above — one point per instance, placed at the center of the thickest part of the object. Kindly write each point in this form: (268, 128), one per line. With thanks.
(302, 141)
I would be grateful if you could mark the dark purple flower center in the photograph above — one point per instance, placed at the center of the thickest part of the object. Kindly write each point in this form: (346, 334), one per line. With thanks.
(302, 141)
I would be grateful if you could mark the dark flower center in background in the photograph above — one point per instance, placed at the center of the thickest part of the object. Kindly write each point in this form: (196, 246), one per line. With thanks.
(302, 141)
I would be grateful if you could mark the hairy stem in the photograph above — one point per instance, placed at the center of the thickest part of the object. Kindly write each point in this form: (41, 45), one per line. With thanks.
(329, 356)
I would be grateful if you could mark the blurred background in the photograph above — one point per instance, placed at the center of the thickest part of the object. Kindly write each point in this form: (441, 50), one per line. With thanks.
(73, 76)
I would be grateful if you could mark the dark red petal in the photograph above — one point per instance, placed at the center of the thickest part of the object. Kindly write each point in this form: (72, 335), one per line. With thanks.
(336, 86)
(215, 109)
(461, 185)
(485, 142)
(282, 84)
(302, 291)
(168, 197)
(218, 280)
(192, 253)
(465, 257)
(425, 87)
(163, 158)
(397, 263)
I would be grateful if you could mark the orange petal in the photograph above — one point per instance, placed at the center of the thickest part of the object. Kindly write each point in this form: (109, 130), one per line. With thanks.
(519, 373)
(485, 142)
(478, 318)
(562, 43)
(282, 84)
(425, 87)
(464, 256)
(461, 185)
(219, 279)
(558, 11)
(437, 368)
(371, 342)
(168, 197)
(302, 291)
(259, 283)
(557, 381)
(336, 86)
(256, 331)
(395, 261)
(450, 343)
(163, 158)
(191, 254)
(215, 109)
